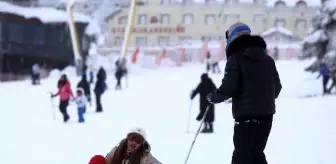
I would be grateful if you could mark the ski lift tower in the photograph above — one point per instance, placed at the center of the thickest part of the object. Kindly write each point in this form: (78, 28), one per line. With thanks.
(79, 62)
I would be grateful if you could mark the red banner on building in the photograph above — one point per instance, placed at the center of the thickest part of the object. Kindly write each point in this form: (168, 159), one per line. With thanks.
(177, 29)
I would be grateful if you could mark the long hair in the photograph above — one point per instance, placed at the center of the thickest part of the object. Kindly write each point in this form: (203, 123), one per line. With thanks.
(119, 154)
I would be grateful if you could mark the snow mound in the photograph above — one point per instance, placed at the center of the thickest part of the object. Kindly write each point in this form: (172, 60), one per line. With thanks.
(69, 71)
(55, 74)
(44, 14)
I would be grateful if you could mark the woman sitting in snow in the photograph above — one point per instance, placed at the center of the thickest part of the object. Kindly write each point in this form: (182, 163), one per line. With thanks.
(134, 149)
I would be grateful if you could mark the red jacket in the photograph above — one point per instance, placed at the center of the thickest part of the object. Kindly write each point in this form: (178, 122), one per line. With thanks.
(65, 92)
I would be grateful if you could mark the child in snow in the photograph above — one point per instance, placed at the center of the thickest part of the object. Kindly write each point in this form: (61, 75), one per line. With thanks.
(134, 149)
(205, 87)
(81, 104)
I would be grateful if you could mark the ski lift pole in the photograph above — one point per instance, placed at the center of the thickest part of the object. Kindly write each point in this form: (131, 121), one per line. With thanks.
(128, 33)
(73, 31)
(129, 27)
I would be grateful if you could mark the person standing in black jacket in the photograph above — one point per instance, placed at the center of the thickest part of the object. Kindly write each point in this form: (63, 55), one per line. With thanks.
(83, 83)
(205, 87)
(100, 88)
(252, 81)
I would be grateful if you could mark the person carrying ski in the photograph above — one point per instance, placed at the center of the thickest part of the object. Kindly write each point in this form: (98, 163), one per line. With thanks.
(325, 73)
(134, 149)
(205, 87)
(81, 104)
(252, 81)
(65, 93)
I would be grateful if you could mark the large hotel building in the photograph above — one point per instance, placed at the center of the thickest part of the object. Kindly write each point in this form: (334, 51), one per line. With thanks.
(165, 22)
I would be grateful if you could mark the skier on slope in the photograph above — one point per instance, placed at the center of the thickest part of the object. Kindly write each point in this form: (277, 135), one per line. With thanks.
(252, 80)
(121, 71)
(325, 73)
(134, 149)
(65, 93)
(205, 87)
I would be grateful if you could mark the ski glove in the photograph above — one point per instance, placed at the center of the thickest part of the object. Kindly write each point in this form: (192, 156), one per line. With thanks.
(209, 99)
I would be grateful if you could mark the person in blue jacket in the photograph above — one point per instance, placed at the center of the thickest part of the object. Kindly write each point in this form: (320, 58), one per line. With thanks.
(325, 73)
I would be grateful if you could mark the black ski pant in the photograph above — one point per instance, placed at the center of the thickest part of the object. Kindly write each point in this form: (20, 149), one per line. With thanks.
(63, 108)
(118, 86)
(99, 107)
(324, 83)
(250, 138)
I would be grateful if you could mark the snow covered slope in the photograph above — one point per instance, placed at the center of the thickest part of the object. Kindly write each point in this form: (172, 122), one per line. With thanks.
(303, 130)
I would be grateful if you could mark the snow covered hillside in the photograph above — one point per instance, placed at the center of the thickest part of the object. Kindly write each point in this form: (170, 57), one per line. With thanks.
(303, 130)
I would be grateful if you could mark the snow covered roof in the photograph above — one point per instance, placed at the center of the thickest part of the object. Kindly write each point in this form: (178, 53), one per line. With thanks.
(278, 29)
(93, 28)
(44, 14)
(272, 2)
(293, 2)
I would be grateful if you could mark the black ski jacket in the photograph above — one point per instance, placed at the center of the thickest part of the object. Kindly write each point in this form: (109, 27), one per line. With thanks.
(251, 79)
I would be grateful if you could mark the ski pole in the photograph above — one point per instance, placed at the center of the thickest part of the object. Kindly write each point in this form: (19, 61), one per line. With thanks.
(52, 107)
(189, 117)
(198, 131)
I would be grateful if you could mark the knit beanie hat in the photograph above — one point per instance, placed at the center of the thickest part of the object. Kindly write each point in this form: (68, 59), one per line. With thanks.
(97, 159)
(236, 30)
(139, 131)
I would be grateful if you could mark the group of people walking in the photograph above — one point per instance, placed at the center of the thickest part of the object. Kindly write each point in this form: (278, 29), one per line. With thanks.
(83, 94)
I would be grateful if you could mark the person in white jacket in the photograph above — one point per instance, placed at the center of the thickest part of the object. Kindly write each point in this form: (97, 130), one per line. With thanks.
(81, 104)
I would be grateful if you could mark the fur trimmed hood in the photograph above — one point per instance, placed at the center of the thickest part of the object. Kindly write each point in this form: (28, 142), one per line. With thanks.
(248, 45)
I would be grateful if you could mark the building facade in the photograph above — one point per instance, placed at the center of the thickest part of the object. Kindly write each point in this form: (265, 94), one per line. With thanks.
(164, 22)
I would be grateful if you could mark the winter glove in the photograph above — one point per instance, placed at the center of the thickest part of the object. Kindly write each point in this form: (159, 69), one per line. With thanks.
(191, 94)
(53, 95)
(209, 98)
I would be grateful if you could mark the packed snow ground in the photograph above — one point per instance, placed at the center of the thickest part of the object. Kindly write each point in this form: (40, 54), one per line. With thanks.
(303, 129)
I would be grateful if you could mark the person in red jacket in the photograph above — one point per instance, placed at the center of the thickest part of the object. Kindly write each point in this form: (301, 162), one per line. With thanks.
(65, 93)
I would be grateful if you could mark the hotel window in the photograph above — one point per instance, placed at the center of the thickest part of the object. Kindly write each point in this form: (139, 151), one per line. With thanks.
(141, 41)
(280, 22)
(142, 19)
(184, 38)
(230, 18)
(209, 38)
(259, 19)
(279, 4)
(221, 38)
(164, 2)
(163, 40)
(118, 40)
(122, 20)
(210, 1)
(188, 19)
(301, 24)
(164, 19)
(210, 19)
(301, 5)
